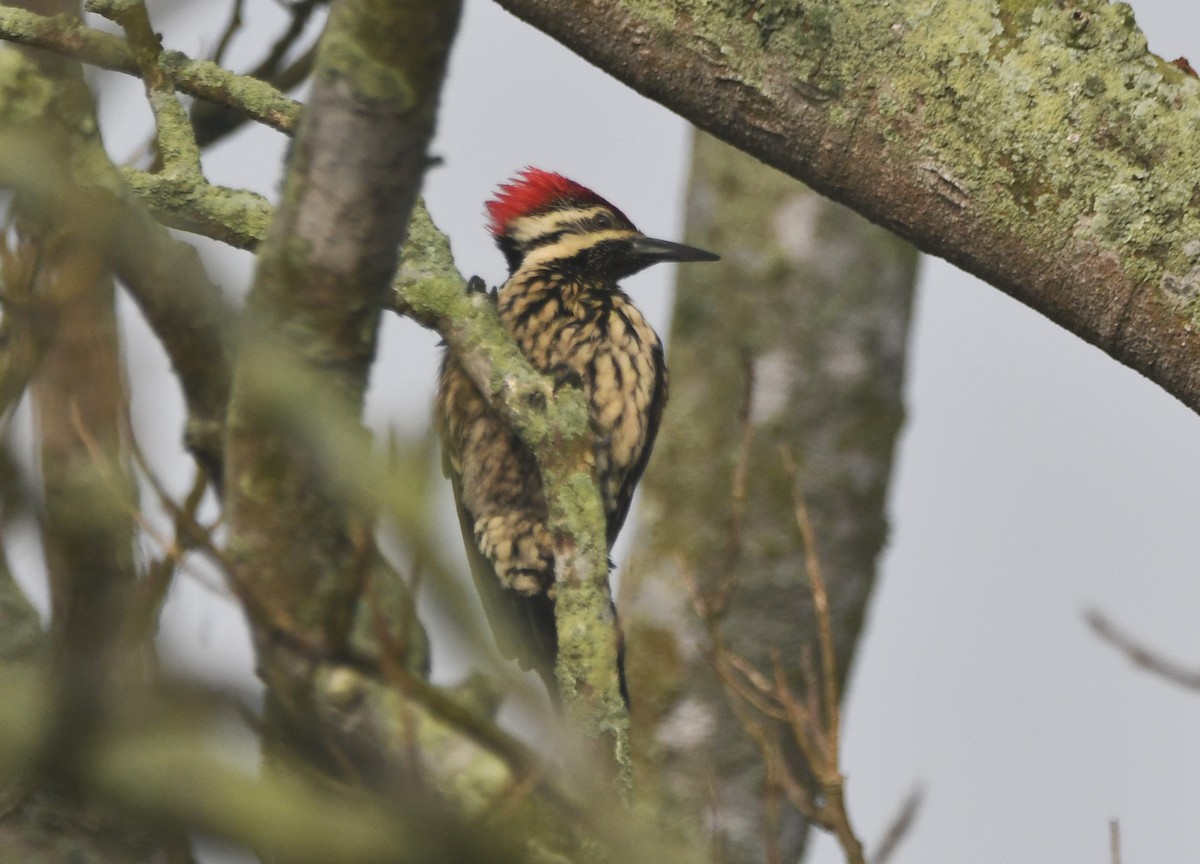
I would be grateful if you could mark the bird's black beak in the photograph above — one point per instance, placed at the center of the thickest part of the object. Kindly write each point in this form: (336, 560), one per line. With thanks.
(646, 251)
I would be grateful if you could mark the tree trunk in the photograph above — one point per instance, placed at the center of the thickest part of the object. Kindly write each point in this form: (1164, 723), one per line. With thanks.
(795, 341)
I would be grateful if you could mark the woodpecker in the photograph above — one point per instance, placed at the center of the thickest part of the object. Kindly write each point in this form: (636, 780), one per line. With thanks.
(566, 249)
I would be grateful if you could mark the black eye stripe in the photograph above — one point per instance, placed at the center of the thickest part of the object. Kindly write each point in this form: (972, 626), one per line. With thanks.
(545, 239)
(599, 222)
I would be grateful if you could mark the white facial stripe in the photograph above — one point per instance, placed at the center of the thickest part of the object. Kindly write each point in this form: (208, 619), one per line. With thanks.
(525, 229)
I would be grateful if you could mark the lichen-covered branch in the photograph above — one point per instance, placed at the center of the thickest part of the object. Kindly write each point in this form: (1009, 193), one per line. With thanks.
(554, 425)
(177, 146)
(237, 217)
(1040, 146)
(200, 78)
(157, 754)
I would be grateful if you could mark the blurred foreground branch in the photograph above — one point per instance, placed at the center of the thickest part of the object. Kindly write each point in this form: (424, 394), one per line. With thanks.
(160, 754)
(348, 706)
(63, 173)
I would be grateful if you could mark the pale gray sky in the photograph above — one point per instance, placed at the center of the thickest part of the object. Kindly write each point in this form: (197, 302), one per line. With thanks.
(1036, 479)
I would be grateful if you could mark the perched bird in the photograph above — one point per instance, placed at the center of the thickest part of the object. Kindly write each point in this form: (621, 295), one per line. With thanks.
(566, 249)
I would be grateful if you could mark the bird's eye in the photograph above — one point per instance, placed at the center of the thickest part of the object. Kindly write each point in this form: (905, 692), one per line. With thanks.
(603, 220)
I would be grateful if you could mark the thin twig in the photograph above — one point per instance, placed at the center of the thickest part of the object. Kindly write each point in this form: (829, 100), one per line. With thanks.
(269, 67)
(195, 536)
(213, 122)
(812, 567)
(762, 700)
(763, 703)
(1143, 656)
(898, 827)
(231, 29)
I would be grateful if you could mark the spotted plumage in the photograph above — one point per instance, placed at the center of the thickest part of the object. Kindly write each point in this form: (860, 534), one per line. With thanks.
(566, 249)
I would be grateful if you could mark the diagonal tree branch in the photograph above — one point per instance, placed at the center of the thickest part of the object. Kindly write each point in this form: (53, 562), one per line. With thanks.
(1142, 655)
(1039, 146)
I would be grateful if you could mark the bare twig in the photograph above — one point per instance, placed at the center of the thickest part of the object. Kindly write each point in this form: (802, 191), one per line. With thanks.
(189, 535)
(297, 71)
(767, 705)
(231, 29)
(302, 11)
(1143, 656)
(212, 122)
(816, 583)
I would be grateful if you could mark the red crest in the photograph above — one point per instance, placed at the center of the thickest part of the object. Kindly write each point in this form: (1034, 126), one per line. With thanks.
(535, 191)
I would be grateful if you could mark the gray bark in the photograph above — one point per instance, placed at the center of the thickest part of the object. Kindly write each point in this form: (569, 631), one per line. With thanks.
(797, 339)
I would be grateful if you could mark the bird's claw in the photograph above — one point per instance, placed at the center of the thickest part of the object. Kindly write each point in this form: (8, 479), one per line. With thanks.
(565, 376)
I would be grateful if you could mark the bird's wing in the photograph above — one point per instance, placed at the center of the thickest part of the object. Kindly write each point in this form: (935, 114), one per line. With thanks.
(658, 401)
(523, 625)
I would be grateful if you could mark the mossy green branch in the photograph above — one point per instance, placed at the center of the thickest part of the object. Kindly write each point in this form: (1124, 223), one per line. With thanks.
(173, 129)
(237, 217)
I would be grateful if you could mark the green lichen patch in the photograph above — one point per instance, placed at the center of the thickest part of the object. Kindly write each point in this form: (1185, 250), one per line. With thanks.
(1023, 89)
(576, 504)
